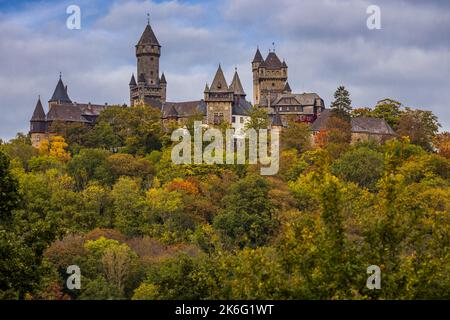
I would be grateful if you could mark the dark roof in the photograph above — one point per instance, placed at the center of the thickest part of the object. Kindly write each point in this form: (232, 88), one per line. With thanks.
(163, 78)
(359, 124)
(258, 57)
(60, 93)
(38, 114)
(241, 108)
(236, 85)
(272, 61)
(219, 83)
(206, 88)
(74, 112)
(132, 81)
(303, 99)
(148, 37)
(183, 109)
(321, 121)
(284, 65)
(371, 125)
(287, 87)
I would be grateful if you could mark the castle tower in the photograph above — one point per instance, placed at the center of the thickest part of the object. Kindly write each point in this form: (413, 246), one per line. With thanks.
(238, 90)
(219, 100)
(257, 60)
(269, 77)
(38, 125)
(148, 88)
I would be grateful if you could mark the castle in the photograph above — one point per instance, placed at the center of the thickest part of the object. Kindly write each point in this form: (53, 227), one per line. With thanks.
(222, 102)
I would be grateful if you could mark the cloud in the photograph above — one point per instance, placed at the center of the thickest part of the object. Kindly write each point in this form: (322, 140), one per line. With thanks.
(325, 43)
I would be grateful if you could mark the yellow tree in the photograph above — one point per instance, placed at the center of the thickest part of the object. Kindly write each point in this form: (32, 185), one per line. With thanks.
(58, 148)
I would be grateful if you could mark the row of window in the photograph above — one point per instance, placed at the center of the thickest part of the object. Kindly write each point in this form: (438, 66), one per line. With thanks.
(294, 108)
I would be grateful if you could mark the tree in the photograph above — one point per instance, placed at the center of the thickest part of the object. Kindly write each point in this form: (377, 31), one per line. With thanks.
(9, 195)
(442, 144)
(246, 219)
(296, 136)
(420, 126)
(90, 164)
(58, 148)
(342, 105)
(362, 166)
(259, 119)
(389, 110)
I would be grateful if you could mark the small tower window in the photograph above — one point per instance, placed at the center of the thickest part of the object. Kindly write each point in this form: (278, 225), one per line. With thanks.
(151, 58)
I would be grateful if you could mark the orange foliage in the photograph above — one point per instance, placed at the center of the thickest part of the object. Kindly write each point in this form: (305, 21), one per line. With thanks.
(179, 184)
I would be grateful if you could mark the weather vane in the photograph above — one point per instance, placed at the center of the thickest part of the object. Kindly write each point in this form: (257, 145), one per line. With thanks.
(148, 18)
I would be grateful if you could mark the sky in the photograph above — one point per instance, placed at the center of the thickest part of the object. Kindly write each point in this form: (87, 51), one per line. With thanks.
(326, 43)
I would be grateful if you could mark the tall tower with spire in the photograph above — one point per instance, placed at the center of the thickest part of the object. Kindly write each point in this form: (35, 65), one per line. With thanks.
(149, 86)
(219, 99)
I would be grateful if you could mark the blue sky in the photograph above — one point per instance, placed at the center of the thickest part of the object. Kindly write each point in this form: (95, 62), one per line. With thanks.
(325, 43)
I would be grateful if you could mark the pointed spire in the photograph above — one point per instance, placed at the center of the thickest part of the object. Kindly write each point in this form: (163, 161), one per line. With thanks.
(206, 88)
(148, 36)
(284, 65)
(287, 87)
(60, 93)
(272, 61)
(258, 57)
(163, 78)
(219, 83)
(38, 114)
(236, 84)
(132, 81)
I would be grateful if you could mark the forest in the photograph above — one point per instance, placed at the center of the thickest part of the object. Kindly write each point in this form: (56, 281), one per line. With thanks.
(108, 199)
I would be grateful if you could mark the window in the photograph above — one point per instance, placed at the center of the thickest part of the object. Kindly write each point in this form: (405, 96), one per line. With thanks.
(151, 58)
(233, 119)
(218, 117)
(242, 119)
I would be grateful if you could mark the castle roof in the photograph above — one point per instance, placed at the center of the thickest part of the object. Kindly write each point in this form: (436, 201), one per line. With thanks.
(163, 78)
(183, 109)
(258, 57)
(287, 87)
(60, 93)
(206, 88)
(236, 85)
(38, 114)
(132, 81)
(74, 112)
(241, 108)
(272, 61)
(148, 37)
(219, 83)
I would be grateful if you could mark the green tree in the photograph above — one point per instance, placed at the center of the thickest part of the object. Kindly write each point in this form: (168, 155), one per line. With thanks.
(342, 105)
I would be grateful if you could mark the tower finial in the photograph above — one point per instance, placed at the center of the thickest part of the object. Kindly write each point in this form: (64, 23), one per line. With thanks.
(60, 74)
(273, 44)
(148, 18)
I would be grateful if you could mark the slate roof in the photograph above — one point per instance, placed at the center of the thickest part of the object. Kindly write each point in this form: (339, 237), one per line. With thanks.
(219, 83)
(148, 37)
(287, 87)
(183, 109)
(74, 112)
(272, 61)
(38, 114)
(371, 125)
(60, 93)
(360, 124)
(241, 108)
(236, 85)
(133, 81)
(304, 99)
(258, 57)
(163, 78)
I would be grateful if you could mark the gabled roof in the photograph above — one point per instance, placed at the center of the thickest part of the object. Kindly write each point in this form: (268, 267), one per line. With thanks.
(272, 61)
(38, 114)
(236, 85)
(132, 81)
(219, 83)
(371, 125)
(303, 99)
(258, 57)
(183, 109)
(148, 37)
(60, 93)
